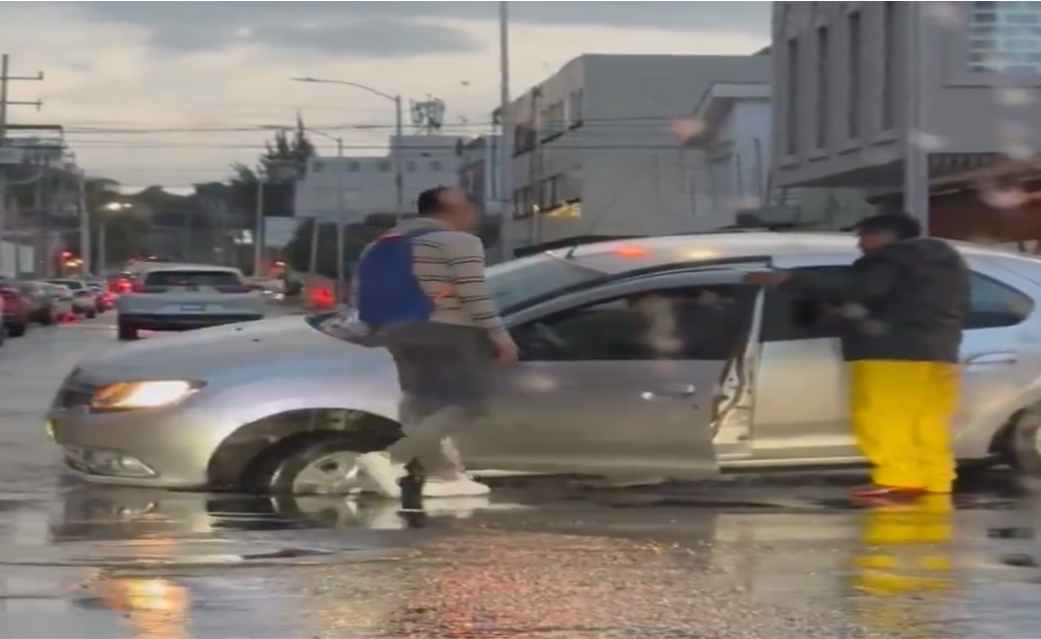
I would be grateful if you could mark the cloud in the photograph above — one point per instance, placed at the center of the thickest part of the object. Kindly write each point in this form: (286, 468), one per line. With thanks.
(395, 29)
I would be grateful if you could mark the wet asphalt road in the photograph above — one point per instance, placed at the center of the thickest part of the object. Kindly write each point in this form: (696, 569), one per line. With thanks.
(738, 558)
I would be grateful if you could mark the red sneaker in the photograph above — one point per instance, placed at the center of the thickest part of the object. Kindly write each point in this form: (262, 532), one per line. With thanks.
(886, 492)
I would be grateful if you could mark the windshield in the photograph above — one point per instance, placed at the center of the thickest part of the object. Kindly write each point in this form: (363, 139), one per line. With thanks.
(527, 278)
(510, 283)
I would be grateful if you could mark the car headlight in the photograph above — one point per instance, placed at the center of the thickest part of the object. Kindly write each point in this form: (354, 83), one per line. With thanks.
(151, 394)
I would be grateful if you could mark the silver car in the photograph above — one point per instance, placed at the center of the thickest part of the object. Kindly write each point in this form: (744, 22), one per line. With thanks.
(726, 376)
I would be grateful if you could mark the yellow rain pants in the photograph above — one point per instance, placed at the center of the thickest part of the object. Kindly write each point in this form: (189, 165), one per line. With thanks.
(902, 415)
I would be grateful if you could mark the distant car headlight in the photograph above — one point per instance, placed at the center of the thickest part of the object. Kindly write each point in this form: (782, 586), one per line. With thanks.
(152, 394)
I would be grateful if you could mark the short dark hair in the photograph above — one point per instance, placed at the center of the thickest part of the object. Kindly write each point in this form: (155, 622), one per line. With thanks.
(901, 225)
(429, 201)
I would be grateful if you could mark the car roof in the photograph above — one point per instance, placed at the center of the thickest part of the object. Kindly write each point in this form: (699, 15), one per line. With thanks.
(732, 246)
(193, 267)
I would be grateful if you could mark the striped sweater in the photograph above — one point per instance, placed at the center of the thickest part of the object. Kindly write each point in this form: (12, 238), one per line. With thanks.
(449, 266)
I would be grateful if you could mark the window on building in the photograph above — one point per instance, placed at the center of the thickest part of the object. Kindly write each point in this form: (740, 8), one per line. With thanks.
(823, 113)
(1005, 37)
(575, 108)
(791, 133)
(410, 166)
(318, 166)
(890, 28)
(436, 166)
(353, 167)
(854, 75)
(523, 138)
(383, 166)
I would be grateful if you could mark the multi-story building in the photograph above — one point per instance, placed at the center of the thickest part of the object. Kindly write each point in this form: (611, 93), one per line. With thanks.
(594, 147)
(851, 76)
(731, 174)
(479, 174)
(347, 189)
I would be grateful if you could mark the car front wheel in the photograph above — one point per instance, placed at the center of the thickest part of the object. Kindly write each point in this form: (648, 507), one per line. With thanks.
(1021, 445)
(17, 330)
(127, 332)
(317, 465)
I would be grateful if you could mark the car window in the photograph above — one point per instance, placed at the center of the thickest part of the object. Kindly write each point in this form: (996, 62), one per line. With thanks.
(192, 279)
(786, 318)
(995, 305)
(691, 323)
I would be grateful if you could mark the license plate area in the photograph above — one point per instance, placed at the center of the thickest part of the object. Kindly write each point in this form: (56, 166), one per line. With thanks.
(193, 308)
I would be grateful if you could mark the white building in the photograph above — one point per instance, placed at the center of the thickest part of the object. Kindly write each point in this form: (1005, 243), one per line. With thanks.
(594, 147)
(732, 170)
(350, 188)
(844, 85)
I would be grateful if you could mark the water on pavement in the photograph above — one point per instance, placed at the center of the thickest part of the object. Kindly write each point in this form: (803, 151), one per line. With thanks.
(738, 558)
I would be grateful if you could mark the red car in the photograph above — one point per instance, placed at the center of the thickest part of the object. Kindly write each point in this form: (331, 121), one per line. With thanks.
(17, 309)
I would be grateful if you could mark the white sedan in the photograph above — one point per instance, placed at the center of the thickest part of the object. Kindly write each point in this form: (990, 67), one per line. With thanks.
(185, 297)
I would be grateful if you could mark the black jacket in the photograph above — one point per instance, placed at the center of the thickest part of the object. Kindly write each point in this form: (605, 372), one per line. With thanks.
(906, 301)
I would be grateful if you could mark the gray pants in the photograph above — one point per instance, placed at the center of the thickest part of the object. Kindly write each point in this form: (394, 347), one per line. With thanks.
(445, 372)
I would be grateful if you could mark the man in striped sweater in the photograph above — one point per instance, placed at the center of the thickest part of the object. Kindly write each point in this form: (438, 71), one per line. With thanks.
(420, 288)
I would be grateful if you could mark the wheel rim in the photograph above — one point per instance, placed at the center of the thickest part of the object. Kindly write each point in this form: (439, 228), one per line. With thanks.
(333, 474)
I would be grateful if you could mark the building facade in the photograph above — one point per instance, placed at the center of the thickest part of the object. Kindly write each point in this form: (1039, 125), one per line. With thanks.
(844, 85)
(347, 189)
(479, 172)
(594, 146)
(732, 172)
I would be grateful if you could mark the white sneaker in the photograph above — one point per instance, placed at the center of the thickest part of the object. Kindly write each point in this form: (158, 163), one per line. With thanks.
(380, 475)
(463, 487)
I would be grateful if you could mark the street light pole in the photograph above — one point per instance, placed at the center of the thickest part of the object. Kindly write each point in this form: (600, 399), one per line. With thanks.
(399, 161)
(399, 131)
(916, 156)
(505, 140)
(258, 231)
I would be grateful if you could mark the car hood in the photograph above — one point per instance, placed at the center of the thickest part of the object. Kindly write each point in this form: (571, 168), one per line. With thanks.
(209, 352)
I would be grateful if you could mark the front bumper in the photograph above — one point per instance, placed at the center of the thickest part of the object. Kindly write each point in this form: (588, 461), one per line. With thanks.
(161, 448)
(185, 322)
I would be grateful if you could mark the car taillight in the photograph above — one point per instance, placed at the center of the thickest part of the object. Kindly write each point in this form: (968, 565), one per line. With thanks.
(240, 288)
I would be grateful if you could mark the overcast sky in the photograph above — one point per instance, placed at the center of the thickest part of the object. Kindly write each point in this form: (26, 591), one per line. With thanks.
(149, 66)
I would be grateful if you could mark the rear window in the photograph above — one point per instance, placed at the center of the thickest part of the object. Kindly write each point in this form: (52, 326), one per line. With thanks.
(72, 285)
(192, 279)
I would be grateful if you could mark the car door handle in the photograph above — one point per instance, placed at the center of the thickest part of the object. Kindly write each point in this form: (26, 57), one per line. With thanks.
(991, 359)
(672, 391)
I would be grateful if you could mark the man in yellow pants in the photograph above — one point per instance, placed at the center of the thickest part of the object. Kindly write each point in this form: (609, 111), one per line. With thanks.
(905, 300)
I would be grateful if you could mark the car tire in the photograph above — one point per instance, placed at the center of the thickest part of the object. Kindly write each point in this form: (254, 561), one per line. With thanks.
(3, 334)
(1020, 445)
(91, 314)
(18, 330)
(126, 332)
(48, 319)
(276, 470)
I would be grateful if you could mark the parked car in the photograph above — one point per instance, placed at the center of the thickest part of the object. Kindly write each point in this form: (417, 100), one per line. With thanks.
(184, 297)
(83, 302)
(103, 299)
(59, 299)
(39, 303)
(283, 405)
(17, 311)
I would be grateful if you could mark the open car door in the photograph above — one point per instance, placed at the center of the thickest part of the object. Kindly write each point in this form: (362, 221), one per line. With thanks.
(622, 379)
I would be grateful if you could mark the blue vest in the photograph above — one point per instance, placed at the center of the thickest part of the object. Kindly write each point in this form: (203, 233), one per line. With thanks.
(388, 291)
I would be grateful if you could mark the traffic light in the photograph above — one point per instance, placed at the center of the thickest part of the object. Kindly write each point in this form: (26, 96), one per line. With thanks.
(65, 255)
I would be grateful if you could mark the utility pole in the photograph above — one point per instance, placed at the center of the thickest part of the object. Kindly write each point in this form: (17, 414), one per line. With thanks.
(5, 80)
